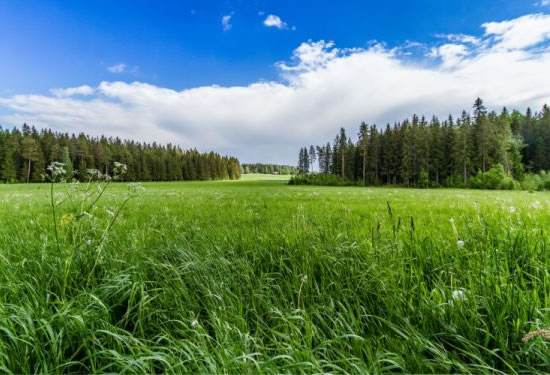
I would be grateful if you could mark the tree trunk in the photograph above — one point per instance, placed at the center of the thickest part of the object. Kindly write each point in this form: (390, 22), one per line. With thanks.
(364, 165)
(343, 164)
(29, 172)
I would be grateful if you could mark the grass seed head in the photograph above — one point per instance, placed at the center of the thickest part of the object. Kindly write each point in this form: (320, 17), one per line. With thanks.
(541, 332)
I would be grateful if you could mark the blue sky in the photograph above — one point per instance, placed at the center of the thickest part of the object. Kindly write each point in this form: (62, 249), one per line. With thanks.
(182, 44)
(142, 57)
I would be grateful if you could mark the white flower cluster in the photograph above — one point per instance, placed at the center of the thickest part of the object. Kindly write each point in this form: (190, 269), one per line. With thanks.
(56, 171)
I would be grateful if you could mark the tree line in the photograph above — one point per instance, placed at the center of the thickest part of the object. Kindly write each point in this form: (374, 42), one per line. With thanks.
(26, 153)
(269, 169)
(451, 153)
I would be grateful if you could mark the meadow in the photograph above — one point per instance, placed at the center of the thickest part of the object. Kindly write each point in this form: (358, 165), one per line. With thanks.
(256, 276)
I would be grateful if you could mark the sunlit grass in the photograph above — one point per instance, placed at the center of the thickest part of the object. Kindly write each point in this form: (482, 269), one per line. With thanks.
(252, 276)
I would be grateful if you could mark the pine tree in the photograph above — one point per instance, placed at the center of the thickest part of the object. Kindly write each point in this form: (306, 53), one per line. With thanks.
(66, 160)
(481, 130)
(30, 152)
(373, 158)
(363, 146)
(8, 169)
(312, 156)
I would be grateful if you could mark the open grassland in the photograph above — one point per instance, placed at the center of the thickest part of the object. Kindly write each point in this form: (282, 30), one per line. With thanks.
(259, 276)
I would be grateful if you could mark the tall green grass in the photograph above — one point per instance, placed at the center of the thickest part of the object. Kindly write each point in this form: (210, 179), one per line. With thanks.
(233, 277)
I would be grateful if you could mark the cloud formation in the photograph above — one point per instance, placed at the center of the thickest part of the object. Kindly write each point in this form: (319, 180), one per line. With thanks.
(322, 88)
(72, 91)
(275, 21)
(226, 22)
(118, 68)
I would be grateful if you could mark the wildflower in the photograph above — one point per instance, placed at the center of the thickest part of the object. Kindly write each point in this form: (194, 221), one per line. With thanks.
(119, 168)
(93, 172)
(194, 323)
(512, 209)
(459, 295)
(66, 219)
(135, 187)
(452, 220)
(57, 170)
(304, 279)
(460, 243)
(544, 333)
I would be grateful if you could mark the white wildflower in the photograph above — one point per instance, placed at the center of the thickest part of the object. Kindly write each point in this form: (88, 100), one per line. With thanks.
(57, 170)
(194, 323)
(459, 295)
(460, 243)
(93, 173)
(512, 209)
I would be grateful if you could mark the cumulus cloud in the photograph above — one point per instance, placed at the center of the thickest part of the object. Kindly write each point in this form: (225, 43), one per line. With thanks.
(451, 54)
(523, 32)
(542, 3)
(226, 22)
(72, 91)
(322, 88)
(275, 21)
(118, 68)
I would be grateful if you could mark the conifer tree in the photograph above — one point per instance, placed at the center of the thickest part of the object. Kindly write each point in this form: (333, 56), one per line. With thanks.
(30, 153)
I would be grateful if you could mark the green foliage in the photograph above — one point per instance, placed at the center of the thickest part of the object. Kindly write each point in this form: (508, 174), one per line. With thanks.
(495, 178)
(321, 179)
(67, 162)
(259, 168)
(423, 179)
(422, 153)
(25, 153)
(262, 277)
(536, 182)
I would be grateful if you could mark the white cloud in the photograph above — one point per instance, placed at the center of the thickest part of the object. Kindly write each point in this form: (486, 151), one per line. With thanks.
(71, 91)
(460, 38)
(118, 68)
(451, 54)
(542, 3)
(226, 22)
(275, 21)
(323, 88)
(523, 32)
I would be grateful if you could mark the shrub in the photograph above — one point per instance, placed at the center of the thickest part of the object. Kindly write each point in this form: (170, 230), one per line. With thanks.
(322, 179)
(536, 181)
(495, 178)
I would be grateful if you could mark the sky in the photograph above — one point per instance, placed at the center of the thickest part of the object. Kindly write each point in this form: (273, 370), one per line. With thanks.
(258, 79)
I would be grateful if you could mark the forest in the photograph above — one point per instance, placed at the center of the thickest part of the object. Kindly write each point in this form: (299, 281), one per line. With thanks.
(269, 169)
(25, 154)
(506, 146)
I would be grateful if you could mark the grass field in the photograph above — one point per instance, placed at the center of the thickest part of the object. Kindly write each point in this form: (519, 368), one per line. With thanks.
(258, 276)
